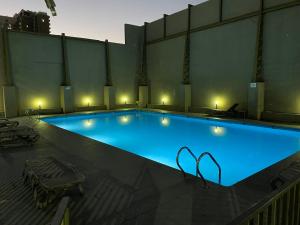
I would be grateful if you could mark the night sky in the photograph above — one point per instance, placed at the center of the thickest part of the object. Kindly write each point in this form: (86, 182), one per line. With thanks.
(97, 19)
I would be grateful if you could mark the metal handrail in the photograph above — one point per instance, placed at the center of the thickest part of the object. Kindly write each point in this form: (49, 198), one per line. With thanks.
(177, 159)
(214, 160)
(193, 155)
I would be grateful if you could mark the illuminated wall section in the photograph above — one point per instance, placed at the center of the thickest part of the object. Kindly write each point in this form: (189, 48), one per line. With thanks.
(282, 61)
(123, 72)
(36, 69)
(222, 64)
(165, 66)
(87, 71)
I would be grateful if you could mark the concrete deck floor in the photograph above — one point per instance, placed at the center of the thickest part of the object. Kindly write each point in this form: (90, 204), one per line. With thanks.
(123, 188)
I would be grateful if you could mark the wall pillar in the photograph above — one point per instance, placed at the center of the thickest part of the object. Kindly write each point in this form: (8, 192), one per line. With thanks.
(187, 97)
(109, 97)
(221, 11)
(10, 101)
(143, 96)
(7, 61)
(143, 83)
(66, 99)
(66, 92)
(256, 96)
(165, 25)
(186, 83)
(256, 91)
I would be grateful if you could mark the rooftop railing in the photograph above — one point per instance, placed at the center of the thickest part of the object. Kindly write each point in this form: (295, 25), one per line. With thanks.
(281, 207)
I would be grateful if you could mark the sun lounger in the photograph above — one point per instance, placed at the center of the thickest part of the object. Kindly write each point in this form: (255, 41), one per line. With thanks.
(51, 179)
(17, 136)
(8, 123)
(231, 112)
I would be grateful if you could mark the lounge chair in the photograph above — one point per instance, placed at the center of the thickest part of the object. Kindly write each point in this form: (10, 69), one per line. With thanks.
(231, 112)
(51, 179)
(8, 123)
(17, 136)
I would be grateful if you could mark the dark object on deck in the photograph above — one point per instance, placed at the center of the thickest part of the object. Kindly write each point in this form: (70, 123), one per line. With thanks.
(8, 123)
(231, 112)
(51, 179)
(17, 136)
(233, 108)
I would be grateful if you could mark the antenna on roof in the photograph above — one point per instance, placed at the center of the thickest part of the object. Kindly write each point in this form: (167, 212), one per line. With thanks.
(51, 5)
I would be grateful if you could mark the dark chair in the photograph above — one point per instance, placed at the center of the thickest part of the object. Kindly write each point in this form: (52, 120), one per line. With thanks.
(233, 108)
(231, 112)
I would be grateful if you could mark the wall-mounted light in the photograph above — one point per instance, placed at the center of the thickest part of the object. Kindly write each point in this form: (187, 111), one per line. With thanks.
(218, 102)
(87, 101)
(124, 100)
(38, 103)
(164, 100)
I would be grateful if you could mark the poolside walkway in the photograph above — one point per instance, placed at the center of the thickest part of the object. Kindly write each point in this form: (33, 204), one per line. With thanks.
(122, 188)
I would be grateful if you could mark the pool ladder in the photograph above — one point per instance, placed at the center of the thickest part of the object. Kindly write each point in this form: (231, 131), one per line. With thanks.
(198, 160)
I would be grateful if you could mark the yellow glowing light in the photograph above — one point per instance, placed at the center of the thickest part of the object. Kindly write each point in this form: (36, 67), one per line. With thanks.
(124, 120)
(88, 123)
(165, 121)
(218, 131)
(87, 101)
(124, 99)
(165, 100)
(39, 103)
(219, 102)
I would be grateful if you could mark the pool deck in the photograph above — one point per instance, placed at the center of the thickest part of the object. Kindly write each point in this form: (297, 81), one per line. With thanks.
(123, 188)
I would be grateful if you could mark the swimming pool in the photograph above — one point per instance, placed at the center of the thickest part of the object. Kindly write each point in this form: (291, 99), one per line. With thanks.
(241, 150)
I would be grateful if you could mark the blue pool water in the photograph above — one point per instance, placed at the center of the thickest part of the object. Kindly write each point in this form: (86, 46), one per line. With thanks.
(241, 150)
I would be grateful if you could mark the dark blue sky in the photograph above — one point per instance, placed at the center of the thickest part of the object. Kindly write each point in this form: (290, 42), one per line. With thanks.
(97, 19)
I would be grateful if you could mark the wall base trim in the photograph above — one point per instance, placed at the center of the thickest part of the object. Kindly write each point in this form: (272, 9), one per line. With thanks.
(281, 117)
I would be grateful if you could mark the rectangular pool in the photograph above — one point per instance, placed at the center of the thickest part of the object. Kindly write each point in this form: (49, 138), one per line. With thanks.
(241, 150)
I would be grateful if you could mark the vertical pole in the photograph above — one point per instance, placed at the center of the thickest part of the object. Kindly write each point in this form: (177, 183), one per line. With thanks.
(258, 64)
(186, 63)
(109, 94)
(7, 62)
(107, 65)
(221, 11)
(165, 25)
(10, 103)
(257, 88)
(66, 93)
(143, 81)
(66, 70)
